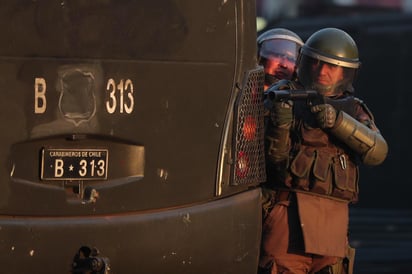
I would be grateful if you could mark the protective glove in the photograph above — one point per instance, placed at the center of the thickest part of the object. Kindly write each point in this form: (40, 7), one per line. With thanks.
(281, 114)
(325, 115)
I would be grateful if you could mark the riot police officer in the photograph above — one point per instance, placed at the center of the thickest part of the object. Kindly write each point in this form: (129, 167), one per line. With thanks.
(278, 50)
(315, 148)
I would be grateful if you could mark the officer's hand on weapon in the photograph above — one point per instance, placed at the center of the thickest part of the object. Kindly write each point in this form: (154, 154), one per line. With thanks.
(280, 85)
(325, 115)
(281, 114)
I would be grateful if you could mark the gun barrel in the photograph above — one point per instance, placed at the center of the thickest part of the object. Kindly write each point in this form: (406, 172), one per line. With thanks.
(282, 95)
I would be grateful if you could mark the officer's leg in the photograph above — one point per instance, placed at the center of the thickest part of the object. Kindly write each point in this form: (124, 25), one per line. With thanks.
(342, 265)
(281, 234)
(322, 264)
(293, 264)
(274, 238)
(325, 270)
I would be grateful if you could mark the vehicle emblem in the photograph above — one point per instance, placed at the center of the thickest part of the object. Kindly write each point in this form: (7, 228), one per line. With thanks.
(77, 102)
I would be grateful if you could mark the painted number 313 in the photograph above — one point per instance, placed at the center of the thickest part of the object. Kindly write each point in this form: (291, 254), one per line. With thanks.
(120, 96)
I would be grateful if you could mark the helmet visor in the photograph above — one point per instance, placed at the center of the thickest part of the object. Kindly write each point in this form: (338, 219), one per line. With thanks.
(279, 48)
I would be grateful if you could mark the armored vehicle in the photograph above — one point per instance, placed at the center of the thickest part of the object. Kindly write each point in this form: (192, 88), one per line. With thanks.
(131, 137)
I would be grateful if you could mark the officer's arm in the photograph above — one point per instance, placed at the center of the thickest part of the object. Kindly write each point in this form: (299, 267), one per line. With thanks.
(278, 143)
(368, 142)
(277, 131)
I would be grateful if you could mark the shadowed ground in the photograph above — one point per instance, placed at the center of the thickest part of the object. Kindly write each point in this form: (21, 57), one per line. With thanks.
(383, 240)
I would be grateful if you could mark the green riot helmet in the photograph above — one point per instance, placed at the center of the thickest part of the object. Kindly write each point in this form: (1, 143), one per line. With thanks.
(329, 62)
(278, 50)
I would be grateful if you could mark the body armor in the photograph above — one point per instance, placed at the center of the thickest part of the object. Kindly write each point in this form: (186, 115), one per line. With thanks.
(320, 163)
(325, 162)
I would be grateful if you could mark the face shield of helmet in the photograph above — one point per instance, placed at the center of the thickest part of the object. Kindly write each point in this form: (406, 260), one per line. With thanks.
(326, 78)
(278, 57)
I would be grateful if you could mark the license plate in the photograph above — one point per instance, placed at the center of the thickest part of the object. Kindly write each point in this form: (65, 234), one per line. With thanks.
(74, 164)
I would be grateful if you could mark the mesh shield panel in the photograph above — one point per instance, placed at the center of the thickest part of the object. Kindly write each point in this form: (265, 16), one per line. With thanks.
(248, 152)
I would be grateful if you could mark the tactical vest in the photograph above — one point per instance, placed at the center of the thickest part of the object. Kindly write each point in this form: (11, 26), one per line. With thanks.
(320, 163)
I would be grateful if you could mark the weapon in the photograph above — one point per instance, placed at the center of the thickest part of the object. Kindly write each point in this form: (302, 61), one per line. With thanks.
(284, 95)
(313, 98)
